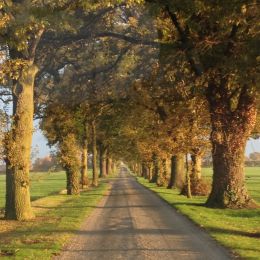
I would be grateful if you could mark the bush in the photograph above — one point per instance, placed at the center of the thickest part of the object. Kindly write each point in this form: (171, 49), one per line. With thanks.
(199, 187)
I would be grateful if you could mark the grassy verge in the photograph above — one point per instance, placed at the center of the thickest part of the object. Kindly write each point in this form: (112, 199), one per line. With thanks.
(238, 230)
(58, 217)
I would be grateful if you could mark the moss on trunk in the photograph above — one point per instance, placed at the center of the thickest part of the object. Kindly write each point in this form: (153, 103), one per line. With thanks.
(109, 165)
(230, 130)
(94, 154)
(196, 162)
(162, 174)
(103, 161)
(84, 166)
(70, 157)
(177, 178)
(156, 168)
(72, 181)
(19, 142)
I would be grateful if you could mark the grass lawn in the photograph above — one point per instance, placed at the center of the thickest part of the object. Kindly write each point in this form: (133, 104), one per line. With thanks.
(42, 185)
(58, 217)
(237, 229)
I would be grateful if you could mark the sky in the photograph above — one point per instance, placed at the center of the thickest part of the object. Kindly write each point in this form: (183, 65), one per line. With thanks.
(40, 142)
(44, 150)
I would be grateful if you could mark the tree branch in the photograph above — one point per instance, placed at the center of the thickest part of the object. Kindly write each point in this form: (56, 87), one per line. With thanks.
(187, 45)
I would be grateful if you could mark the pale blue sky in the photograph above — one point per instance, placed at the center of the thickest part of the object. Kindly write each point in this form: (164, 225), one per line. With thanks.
(40, 141)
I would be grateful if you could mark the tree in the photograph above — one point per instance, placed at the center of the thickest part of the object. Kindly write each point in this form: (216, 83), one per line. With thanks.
(24, 25)
(177, 179)
(215, 39)
(61, 128)
(84, 156)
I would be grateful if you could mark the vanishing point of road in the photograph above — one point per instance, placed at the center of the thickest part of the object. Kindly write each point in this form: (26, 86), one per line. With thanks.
(131, 222)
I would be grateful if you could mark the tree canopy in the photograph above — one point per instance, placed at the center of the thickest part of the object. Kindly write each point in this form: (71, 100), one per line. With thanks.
(144, 82)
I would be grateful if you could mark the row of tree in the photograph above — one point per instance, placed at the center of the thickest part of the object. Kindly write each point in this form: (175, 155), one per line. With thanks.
(144, 81)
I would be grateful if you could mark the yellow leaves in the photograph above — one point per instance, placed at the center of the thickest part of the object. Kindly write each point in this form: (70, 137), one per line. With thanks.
(132, 2)
(4, 19)
(133, 22)
(11, 69)
(243, 9)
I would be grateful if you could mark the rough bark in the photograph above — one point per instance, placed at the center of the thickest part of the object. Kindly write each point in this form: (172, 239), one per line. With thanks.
(144, 171)
(140, 169)
(156, 169)
(19, 148)
(109, 165)
(196, 161)
(162, 174)
(9, 202)
(18, 145)
(94, 154)
(177, 178)
(84, 166)
(114, 167)
(72, 181)
(103, 161)
(70, 158)
(230, 130)
(188, 181)
(150, 172)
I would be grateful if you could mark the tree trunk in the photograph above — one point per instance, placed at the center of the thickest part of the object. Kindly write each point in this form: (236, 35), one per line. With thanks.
(162, 174)
(94, 154)
(140, 169)
(114, 167)
(196, 161)
(70, 158)
(231, 129)
(189, 195)
(84, 165)
(144, 171)
(109, 165)
(177, 178)
(156, 169)
(19, 148)
(9, 202)
(150, 172)
(72, 181)
(103, 161)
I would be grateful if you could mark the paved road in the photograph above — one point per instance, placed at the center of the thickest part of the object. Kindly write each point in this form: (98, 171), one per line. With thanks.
(133, 223)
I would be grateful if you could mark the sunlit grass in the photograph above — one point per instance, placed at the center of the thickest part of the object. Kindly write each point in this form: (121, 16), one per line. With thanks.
(58, 217)
(236, 229)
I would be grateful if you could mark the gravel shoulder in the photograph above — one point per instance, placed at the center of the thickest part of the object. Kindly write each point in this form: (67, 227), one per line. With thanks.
(131, 222)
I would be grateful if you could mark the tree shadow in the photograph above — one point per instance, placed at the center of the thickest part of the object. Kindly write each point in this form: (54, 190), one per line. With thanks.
(99, 207)
(235, 232)
(196, 204)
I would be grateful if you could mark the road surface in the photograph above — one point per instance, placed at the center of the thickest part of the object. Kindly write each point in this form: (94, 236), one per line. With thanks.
(133, 223)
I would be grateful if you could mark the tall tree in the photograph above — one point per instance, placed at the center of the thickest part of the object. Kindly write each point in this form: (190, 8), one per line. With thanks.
(62, 128)
(219, 41)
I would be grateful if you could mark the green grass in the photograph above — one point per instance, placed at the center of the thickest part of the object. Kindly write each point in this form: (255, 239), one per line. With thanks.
(238, 230)
(42, 185)
(58, 217)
